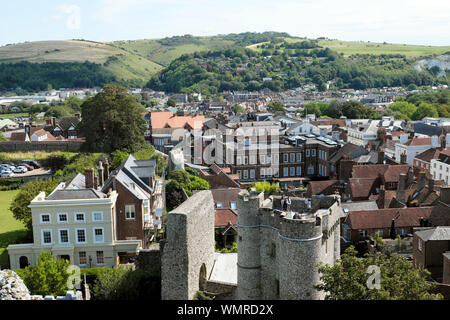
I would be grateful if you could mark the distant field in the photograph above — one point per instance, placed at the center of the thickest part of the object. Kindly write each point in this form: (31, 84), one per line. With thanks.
(37, 155)
(410, 51)
(13, 115)
(11, 230)
(354, 47)
(164, 54)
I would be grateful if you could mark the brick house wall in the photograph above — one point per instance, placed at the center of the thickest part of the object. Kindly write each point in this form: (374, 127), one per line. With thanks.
(430, 257)
(129, 229)
(446, 269)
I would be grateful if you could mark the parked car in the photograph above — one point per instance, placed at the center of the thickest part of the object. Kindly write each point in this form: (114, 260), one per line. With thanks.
(29, 167)
(20, 169)
(32, 163)
(6, 174)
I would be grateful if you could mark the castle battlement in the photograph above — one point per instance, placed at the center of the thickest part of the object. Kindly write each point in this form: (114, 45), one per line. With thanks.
(278, 251)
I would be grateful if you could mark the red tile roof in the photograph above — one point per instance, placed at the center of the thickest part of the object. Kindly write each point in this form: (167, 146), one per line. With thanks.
(160, 120)
(392, 174)
(427, 155)
(372, 171)
(17, 136)
(419, 142)
(319, 187)
(224, 217)
(378, 219)
(361, 188)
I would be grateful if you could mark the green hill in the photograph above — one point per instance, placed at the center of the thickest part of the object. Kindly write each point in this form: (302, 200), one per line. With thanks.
(133, 63)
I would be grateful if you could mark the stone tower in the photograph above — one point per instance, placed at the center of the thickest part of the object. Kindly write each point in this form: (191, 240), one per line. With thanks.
(277, 255)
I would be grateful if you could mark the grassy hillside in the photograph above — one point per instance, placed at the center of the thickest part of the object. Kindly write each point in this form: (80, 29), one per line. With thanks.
(349, 48)
(410, 51)
(135, 62)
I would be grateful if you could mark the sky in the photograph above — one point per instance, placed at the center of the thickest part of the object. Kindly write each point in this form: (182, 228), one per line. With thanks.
(424, 22)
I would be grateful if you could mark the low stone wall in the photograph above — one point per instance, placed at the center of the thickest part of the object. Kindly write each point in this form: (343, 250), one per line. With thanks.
(50, 146)
(70, 295)
(221, 290)
(149, 259)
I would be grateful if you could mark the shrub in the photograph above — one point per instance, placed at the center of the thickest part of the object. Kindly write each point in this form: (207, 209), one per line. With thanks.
(120, 283)
(48, 277)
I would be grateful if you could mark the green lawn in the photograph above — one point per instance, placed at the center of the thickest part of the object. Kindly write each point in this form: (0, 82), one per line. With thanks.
(11, 230)
(13, 115)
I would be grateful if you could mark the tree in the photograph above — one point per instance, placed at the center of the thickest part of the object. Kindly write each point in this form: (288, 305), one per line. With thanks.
(276, 106)
(48, 277)
(172, 102)
(238, 109)
(403, 110)
(19, 205)
(399, 280)
(2, 137)
(117, 158)
(425, 110)
(112, 121)
(181, 180)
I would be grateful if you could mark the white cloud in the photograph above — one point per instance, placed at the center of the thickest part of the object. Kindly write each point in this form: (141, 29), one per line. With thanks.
(73, 14)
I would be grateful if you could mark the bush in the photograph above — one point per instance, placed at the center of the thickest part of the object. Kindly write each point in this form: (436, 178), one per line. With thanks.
(267, 187)
(120, 283)
(55, 162)
(48, 277)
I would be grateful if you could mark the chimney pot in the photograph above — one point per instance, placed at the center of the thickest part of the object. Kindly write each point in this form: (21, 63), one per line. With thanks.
(89, 178)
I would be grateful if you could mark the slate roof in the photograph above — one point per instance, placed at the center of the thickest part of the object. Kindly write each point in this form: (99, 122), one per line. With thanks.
(139, 172)
(349, 150)
(438, 233)
(360, 205)
(426, 129)
(76, 194)
(79, 182)
(66, 122)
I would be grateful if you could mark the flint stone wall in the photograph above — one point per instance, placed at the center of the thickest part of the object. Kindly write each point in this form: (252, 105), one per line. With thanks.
(189, 245)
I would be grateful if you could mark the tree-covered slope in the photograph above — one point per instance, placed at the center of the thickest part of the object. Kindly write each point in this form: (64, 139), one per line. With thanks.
(284, 65)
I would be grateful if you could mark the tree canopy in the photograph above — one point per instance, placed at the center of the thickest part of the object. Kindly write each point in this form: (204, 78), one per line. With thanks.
(19, 205)
(48, 277)
(399, 280)
(112, 121)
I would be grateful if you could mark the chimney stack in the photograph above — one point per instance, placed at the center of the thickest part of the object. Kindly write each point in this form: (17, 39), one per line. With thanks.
(106, 170)
(435, 142)
(382, 197)
(53, 122)
(380, 156)
(445, 194)
(95, 182)
(401, 188)
(89, 178)
(422, 180)
(403, 158)
(101, 174)
(431, 184)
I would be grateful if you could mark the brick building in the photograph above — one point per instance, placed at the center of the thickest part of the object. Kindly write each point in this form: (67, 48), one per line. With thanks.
(429, 248)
